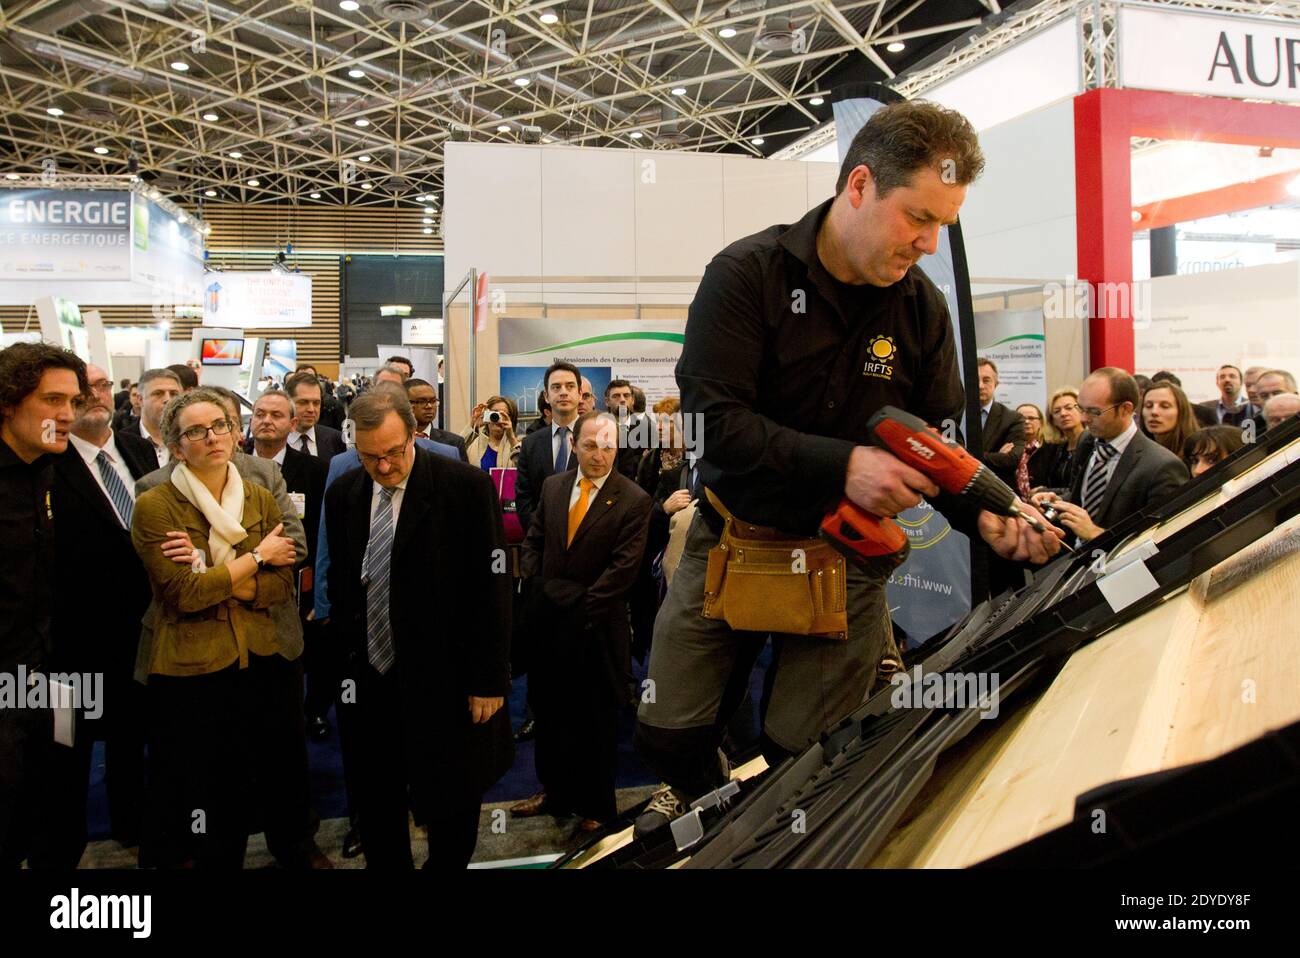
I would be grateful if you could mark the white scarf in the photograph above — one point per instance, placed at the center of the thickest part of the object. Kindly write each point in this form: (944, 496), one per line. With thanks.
(226, 517)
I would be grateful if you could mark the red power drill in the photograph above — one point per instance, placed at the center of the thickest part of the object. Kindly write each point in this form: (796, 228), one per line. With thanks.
(872, 541)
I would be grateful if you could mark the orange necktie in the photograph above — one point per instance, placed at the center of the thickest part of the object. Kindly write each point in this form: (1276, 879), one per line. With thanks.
(579, 508)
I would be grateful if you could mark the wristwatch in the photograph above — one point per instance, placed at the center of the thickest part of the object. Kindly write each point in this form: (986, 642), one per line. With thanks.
(258, 558)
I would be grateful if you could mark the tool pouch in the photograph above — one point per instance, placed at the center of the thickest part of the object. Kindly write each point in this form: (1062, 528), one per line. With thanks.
(761, 580)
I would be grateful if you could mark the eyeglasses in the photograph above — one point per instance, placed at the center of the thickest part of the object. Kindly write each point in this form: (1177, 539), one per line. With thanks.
(199, 433)
(1070, 407)
(424, 402)
(1092, 412)
(388, 457)
(103, 386)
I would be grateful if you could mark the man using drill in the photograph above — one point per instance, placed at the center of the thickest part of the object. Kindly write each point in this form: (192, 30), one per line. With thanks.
(796, 336)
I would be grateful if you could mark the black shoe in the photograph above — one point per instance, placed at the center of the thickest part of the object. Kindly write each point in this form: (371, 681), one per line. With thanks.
(352, 843)
(526, 731)
(318, 729)
(664, 806)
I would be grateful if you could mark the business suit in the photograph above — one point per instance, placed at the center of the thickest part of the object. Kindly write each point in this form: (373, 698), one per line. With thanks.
(329, 442)
(536, 465)
(578, 606)
(1003, 426)
(1207, 413)
(96, 625)
(126, 421)
(434, 434)
(413, 721)
(1146, 473)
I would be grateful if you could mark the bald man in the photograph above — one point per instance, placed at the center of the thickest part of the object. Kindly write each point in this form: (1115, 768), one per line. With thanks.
(1281, 408)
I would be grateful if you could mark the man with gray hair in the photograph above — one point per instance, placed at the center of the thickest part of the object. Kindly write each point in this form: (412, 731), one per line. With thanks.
(1274, 382)
(410, 531)
(158, 387)
(1280, 408)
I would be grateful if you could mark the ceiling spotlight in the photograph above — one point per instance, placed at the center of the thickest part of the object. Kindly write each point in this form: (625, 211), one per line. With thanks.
(816, 101)
(679, 91)
(180, 66)
(314, 196)
(427, 220)
(101, 150)
(361, 121)
(182, 218)
(758, 141)
(207, 228)
(635, 134)
(430, 209)
(503, 128)
(356, 74)
(428, 230)
(898, 46)
(211, 117)
(364, 157)
(53, 111)
(254, 182)
(11, 176)
(234, 154)
(348, 5)
(367, 186)
(209, 192)
(727, 33)
(522, 81)
(548, 17)
(1136, 216)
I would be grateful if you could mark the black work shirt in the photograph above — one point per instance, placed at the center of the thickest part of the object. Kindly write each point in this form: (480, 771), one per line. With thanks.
(26, 559)
(783, 365)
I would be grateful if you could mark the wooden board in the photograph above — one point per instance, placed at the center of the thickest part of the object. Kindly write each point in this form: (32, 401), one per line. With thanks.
(1205, 672)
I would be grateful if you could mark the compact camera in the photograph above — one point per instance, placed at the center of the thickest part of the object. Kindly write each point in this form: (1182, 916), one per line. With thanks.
(494, 416)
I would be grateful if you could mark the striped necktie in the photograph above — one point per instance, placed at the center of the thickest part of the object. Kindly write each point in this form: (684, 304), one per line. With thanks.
(374, 573)
(117, 491)
(1095, 488)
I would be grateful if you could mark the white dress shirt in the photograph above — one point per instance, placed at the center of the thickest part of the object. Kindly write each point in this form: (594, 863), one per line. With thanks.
(159, 449)
(399, 492)
(1119, 443)
(90, 452)
(278, 458)
(295, 440)
(577, 488)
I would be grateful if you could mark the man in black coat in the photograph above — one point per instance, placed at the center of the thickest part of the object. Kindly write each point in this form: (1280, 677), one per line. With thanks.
(103, 593)
(311, 436)
(1120, 469)
(1000, 425)
(546, 449)
(411, 533)
(584, 549)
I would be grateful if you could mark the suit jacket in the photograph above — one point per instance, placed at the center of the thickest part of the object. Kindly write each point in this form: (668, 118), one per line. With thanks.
(1004, 426)
(1207, 413)
(265, 473)
(444, 557)
(536, 465)
(340, 464)
(305, 475)
(329, 442)
(585, 583)
(1146, 474)
(96, 626)
(449, 439)
(126, 421)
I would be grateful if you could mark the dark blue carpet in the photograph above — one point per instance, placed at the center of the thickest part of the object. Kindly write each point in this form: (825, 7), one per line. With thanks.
(326, 760)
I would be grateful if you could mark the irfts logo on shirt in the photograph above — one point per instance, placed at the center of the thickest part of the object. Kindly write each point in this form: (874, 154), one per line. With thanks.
(880, 358)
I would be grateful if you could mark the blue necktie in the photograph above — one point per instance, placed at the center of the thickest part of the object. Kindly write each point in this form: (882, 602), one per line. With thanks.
(121, 499)
(374, 574)
(562, 455)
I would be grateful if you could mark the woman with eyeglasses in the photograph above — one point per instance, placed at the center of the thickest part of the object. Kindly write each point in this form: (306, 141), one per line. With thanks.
(1050, 466)
(213, 621)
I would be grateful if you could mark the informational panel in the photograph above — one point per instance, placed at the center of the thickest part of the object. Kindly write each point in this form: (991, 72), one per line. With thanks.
(1015, 342)
(62, 323)
(166, 253)
(65, 234)
(281, 358)
(1217, 55)
(1244, 317)
(932, 589)
(644, 353)
(422, 332)
(270, 300)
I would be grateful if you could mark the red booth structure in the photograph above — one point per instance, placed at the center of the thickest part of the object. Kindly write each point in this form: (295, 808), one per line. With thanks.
(1105, 120)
